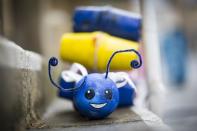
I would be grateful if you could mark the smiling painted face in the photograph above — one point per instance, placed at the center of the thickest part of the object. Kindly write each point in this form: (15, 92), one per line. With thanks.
(96, 96)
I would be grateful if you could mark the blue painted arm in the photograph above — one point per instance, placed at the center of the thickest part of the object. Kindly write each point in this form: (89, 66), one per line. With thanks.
(69, 78)
(66, 85)
(126, 88)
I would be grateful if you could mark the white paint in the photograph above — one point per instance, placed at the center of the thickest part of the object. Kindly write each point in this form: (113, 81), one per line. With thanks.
(97, 106)
(123, 77)
(78, 67)
(70, 76)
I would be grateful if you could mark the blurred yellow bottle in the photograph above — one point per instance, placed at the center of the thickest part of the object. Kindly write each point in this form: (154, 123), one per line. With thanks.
(93, 50)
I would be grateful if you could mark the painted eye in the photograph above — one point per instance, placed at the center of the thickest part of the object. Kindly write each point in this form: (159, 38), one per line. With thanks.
(108, 94)
(89, 94)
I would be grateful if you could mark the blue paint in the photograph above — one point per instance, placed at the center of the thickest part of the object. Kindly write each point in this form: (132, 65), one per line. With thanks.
(96, 95)
(99, 85)
(126, 93)
(126, 96)
(113, 21)
(66, 85)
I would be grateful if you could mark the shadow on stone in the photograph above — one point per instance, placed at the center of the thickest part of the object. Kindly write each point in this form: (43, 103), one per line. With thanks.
(71, 118)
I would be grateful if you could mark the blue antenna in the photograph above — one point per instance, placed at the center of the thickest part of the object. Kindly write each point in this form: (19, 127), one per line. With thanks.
(54, 62)
(134, 64)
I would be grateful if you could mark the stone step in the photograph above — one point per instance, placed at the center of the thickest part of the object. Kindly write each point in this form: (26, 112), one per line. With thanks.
(62, 116)
(25, 90)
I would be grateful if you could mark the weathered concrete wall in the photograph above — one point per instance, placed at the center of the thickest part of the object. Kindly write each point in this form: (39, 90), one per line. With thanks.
(24, 87)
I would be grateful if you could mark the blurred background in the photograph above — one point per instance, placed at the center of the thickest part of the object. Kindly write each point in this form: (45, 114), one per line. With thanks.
(167, 82)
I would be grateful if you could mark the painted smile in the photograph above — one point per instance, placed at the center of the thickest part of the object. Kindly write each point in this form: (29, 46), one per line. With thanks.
(98, 105)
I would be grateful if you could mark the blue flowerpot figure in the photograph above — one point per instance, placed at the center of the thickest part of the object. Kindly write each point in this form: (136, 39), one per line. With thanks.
(96, 95)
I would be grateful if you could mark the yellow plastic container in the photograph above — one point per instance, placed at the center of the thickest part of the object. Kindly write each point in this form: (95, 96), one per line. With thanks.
(93, 50)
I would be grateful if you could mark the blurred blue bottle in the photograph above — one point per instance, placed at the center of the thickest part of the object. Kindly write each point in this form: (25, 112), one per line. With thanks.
(111, 20)
(174, 52)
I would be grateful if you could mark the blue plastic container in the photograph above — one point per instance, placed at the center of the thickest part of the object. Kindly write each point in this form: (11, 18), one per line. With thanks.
(111, 20)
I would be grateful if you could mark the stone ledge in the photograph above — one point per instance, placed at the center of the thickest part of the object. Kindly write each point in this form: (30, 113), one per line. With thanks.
(25, 90)
(14, 56)
(61, 116)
